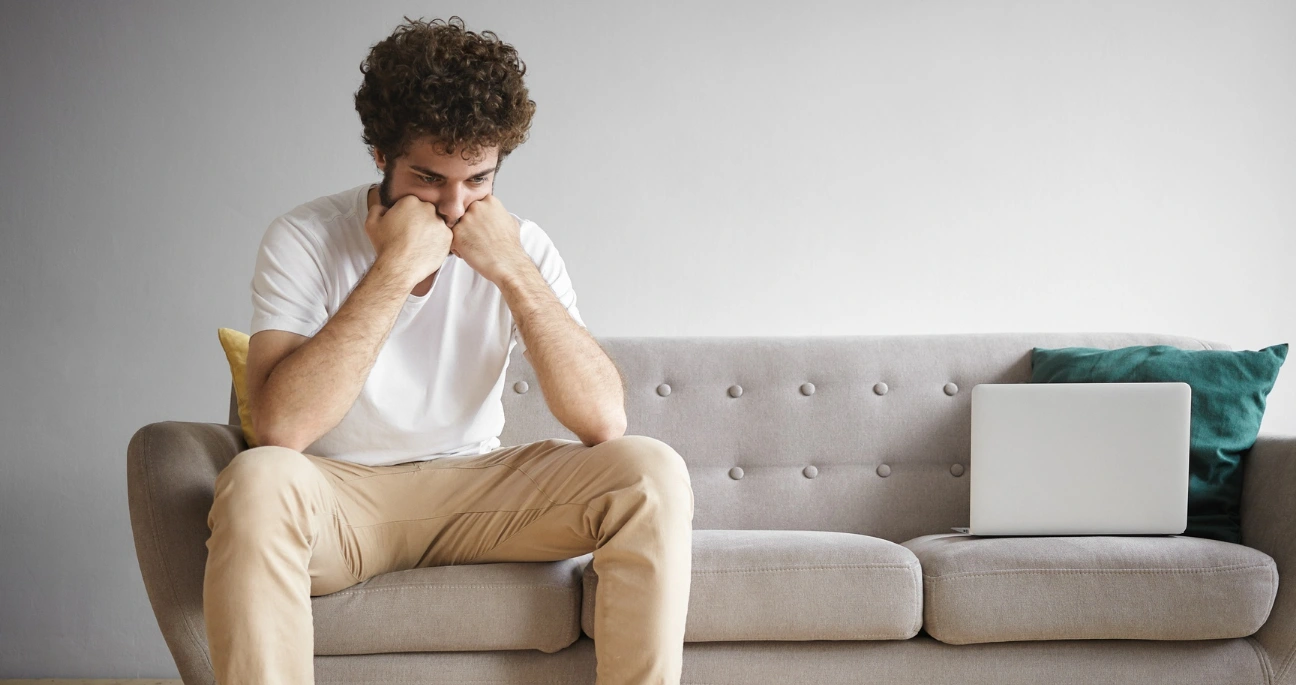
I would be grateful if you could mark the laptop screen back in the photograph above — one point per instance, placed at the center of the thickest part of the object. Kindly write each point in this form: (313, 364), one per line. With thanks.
(1079, 458)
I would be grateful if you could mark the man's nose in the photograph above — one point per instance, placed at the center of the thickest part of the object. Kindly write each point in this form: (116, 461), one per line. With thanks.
(451, 209)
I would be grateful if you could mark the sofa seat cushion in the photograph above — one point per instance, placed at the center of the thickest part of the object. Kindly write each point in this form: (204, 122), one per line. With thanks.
(1000, 589)
(793, 585)
(469, 607)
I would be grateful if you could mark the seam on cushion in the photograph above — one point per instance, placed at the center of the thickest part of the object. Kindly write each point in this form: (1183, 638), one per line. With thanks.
(933, 589)
(893, 636)
(1285, 664)
(761, 569)
(919, 598)
(175, 595)
(820, 636)
(1266, 668)
(1114, 571)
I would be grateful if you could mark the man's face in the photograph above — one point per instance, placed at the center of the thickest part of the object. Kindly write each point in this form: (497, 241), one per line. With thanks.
(448, 181)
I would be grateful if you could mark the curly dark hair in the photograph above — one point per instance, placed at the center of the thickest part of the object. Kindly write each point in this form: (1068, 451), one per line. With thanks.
(436, 79)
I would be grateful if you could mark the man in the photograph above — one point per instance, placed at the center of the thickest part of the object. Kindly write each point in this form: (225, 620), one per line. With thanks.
(383, 319)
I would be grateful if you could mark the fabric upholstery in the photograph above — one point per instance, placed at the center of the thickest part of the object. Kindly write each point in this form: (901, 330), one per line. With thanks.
(899, 401)
(171, 469)
(451, 608)
(1173, 587)
(794, 585)
(1269, 525)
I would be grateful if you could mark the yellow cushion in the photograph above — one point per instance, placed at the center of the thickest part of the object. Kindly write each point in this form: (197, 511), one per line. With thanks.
(235, 344)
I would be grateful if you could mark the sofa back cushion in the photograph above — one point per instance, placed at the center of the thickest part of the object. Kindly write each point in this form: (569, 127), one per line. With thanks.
(857, 434)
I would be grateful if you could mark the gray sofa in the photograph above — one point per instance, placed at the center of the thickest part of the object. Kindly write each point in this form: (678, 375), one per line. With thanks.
(827, 473)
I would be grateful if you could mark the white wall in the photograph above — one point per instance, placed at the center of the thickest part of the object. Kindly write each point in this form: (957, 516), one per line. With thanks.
(727, 169)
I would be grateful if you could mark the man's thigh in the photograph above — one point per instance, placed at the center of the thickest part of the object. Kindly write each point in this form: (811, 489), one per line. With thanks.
(457, 510)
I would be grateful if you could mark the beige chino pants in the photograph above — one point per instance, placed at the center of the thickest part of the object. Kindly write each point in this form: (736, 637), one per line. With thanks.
(287, 526)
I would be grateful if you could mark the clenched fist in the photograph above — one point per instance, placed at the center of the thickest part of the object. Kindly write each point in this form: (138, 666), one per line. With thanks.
(410, 236)
(488, 238)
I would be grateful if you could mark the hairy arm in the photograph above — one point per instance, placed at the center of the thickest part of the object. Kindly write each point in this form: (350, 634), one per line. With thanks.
(580, 383)
(309, 391)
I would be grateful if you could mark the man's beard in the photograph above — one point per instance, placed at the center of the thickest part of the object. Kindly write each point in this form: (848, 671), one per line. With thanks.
(384, 190)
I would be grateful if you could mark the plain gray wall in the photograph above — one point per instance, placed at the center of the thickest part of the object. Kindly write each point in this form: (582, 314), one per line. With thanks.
(705, 169)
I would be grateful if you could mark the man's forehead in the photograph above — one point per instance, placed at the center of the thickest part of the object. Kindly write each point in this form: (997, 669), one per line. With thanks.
(427, 158)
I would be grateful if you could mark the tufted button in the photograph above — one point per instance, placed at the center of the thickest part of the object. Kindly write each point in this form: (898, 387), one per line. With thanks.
(663, 390)
(883, 470)
(521, 387)
(950, 388)
(736, 473)
(735, 391)
(880, 388)
(807, 389)
(957, 470)
(810, 471)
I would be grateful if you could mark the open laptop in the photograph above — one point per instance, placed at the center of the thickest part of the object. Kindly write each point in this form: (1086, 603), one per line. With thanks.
(1079, 458)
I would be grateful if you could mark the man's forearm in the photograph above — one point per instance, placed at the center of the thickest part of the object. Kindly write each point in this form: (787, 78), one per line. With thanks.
(310, 390)
(580, 383)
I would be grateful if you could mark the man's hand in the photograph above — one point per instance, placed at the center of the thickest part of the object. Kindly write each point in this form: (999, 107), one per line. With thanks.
(410, 235)
(488, 238)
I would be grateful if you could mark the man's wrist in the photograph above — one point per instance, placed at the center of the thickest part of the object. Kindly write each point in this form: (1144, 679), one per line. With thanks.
(521, 272)
(388, 270)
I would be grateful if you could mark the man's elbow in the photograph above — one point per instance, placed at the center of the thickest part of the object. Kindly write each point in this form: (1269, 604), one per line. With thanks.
(294, 445)
(277, 440)
(614, 426)
(271, 434)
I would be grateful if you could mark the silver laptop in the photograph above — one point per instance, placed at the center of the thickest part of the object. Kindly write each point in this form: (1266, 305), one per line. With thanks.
(1079, 458)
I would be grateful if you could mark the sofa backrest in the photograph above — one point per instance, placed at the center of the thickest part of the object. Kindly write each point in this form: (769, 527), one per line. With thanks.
(886, 428)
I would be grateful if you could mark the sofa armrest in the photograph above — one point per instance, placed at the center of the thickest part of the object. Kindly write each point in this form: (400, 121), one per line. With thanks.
(1269, 525)
(171, 470)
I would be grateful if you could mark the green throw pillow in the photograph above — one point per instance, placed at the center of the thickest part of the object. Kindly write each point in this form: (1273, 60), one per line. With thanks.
(1229, 389)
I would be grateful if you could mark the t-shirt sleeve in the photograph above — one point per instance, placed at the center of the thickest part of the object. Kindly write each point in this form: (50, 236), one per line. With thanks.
(542, 251)
(288, 292)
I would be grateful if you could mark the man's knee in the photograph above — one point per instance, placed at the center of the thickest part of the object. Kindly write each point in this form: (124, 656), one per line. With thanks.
(256, 478)
(656, 463)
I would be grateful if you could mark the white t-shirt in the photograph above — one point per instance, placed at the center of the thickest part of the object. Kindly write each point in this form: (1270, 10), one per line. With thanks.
(435, 387)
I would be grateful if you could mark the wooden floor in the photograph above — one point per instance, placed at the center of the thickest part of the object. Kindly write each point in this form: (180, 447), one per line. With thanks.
(110, 681)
